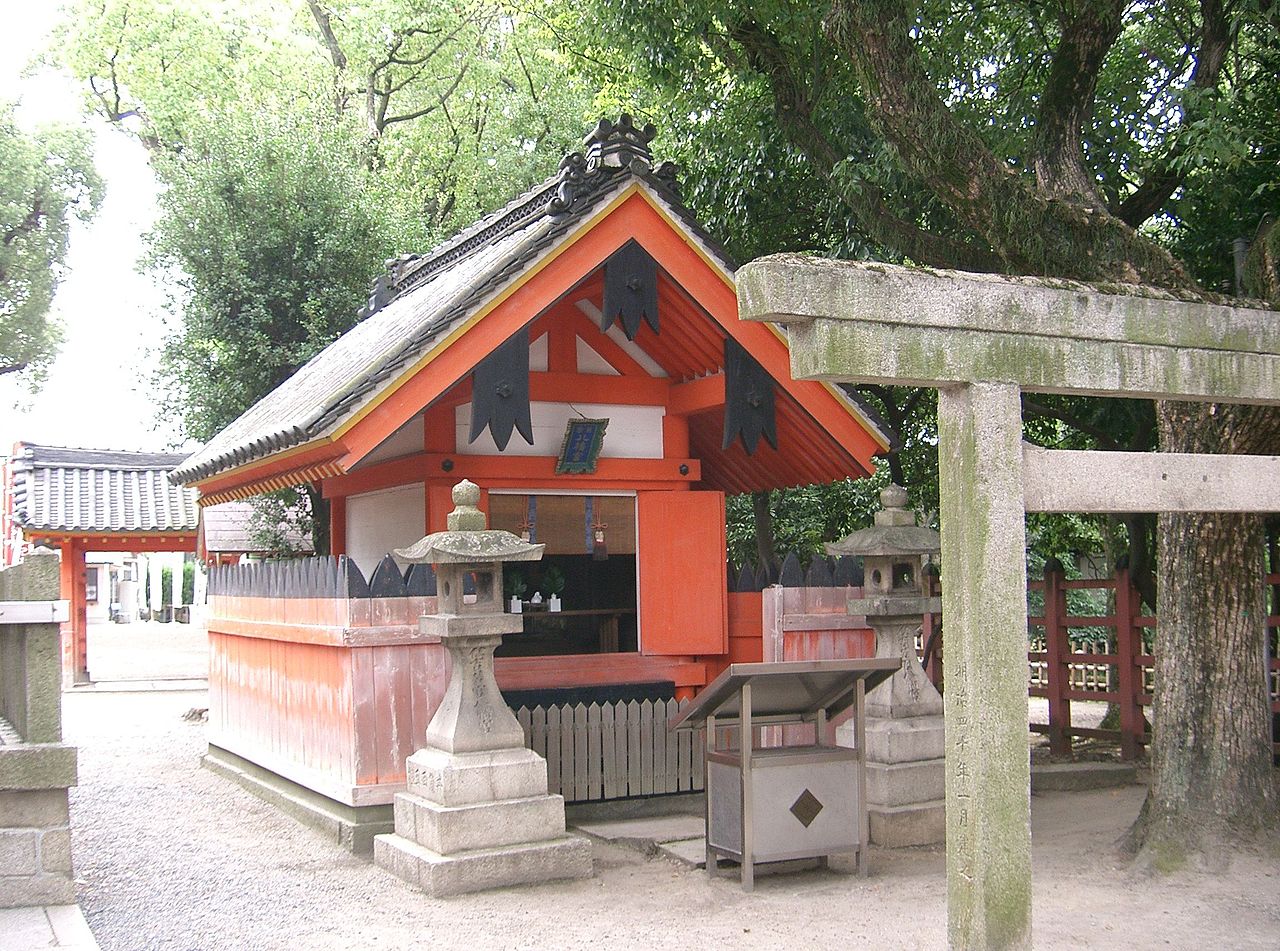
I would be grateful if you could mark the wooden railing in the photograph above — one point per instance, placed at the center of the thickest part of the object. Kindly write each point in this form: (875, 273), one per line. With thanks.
(1104, 657)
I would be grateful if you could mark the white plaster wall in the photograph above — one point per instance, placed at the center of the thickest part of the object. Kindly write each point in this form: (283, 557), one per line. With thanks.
(634, 432)
(377, 522)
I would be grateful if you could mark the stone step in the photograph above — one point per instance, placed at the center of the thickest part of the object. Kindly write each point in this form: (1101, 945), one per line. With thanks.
(566, 857)
(1066, 777)
(450, 829)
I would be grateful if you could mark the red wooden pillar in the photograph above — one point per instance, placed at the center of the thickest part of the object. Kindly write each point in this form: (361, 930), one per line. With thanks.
(930, 624)
(75, 660)
(338, 525)
(1128, 683)
(1057, 650)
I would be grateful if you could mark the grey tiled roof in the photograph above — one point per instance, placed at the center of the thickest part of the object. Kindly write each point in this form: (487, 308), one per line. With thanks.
(433, 293)
(436, 292)
(60, 489)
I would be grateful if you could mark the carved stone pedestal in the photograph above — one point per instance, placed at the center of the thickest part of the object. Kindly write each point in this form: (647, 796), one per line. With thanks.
(905, 737)
(905, 745)
(473, 821)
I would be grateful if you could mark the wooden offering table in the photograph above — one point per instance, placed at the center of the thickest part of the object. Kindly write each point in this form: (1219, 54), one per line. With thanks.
(773, 804)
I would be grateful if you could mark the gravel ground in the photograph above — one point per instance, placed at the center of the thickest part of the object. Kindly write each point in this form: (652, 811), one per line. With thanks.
(170, 856)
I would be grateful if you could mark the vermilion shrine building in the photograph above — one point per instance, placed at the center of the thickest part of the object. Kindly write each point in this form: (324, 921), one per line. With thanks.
(596, 300)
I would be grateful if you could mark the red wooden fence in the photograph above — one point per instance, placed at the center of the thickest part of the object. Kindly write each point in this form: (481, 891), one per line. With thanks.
(1066, 663)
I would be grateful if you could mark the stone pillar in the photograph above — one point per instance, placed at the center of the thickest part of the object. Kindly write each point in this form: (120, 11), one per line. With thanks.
(988, 774)
(36, 767)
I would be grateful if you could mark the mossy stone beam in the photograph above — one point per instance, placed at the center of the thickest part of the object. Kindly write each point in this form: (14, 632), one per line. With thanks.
(1073, 480)
(981, 340)
(862, 322)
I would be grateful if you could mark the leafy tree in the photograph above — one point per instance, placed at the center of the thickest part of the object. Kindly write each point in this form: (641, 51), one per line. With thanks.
(1062, 139)
(47, 180)
(300, 148)
(270, 228)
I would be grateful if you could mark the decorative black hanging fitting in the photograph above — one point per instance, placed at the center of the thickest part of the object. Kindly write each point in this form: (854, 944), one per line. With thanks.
(631, 289)
(500, 392)
(748, 399)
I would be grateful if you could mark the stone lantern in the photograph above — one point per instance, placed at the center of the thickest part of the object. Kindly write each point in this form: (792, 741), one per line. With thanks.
(476, 814)
(905, 736)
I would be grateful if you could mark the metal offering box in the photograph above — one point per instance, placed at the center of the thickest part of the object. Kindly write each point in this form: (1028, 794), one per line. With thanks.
(777, 803)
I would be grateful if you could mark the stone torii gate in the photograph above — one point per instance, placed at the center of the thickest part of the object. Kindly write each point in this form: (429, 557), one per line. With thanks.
(981, 340)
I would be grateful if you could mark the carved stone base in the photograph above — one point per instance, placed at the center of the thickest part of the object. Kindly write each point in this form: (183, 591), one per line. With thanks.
(480, 869)
(905, 779)
(472, 821)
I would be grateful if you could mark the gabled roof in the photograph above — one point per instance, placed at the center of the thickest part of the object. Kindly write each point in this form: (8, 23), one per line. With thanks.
(68, 490)
(426, 299)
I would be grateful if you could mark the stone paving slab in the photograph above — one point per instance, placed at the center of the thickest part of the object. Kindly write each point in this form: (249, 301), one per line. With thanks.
(653, 831)
(691, 852)
(54, 926)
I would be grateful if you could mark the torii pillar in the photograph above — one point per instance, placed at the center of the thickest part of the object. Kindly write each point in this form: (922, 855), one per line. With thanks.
(981, 340)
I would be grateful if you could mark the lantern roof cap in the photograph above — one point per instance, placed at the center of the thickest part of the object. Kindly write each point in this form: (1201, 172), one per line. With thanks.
(469, 540)
(895, 532)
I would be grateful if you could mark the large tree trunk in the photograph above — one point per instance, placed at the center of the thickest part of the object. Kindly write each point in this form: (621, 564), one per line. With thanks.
(1212, 775)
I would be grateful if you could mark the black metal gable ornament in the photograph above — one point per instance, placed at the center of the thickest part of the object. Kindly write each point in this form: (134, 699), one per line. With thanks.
(500, 392)
(630, 289)
(748, 399)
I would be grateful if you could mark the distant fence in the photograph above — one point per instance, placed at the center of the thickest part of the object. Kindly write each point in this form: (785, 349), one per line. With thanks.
(1104, 656)
(616, 750)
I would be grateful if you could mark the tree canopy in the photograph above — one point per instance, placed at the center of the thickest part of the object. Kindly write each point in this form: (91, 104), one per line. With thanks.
(47, 181)
(300, 146)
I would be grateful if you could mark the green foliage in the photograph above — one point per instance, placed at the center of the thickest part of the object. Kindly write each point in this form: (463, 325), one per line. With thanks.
(804, 518)
(47, 180)
(166, 585)
(281, 523)
(270, 229)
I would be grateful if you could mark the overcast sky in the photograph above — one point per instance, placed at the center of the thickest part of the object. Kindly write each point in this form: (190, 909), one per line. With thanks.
(98, 393)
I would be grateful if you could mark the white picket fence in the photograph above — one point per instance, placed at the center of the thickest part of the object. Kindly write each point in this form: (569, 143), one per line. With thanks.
(613, 750)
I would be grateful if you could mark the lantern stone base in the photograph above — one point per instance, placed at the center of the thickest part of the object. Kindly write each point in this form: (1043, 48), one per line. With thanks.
(473, 821)
(479, 869)
(905, 780)
(922, 823)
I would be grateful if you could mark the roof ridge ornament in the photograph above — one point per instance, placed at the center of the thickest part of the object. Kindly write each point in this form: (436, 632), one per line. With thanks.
(620, 146)
(609, 149)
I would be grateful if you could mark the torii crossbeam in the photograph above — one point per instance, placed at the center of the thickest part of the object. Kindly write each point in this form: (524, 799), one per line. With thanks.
(981, 340)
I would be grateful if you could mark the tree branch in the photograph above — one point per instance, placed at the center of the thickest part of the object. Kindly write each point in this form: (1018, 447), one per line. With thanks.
(32, 222)
(321, 16)
(1066, 103)
(1216, 35)
(1032, 233)
(1105, 439)
(794, 111)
